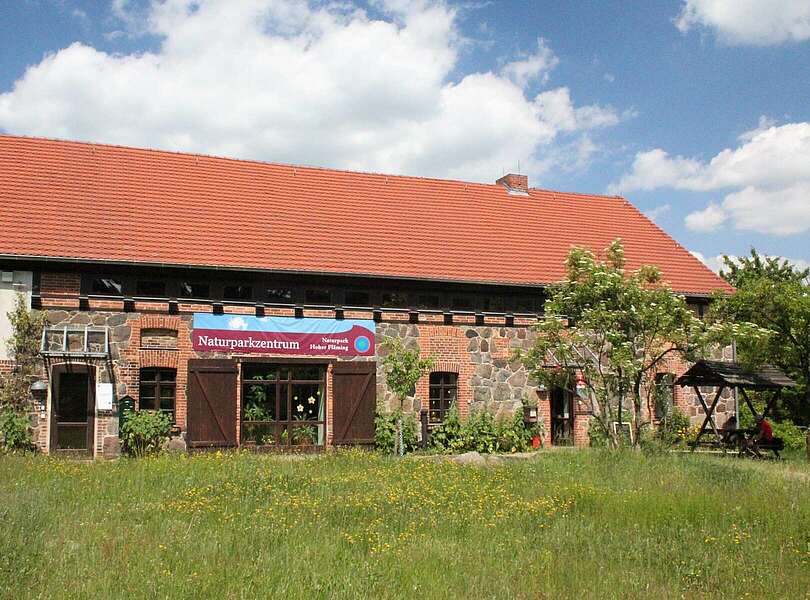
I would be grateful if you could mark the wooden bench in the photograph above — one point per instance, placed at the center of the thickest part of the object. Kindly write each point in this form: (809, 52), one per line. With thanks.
(776, 445)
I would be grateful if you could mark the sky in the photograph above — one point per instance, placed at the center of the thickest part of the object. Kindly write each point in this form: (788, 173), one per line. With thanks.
(698, 111)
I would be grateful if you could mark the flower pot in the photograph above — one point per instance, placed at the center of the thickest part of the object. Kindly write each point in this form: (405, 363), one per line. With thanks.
(536, 443)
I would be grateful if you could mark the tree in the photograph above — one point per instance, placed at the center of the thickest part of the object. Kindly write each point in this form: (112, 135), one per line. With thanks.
(617, 330)
(403, 369)
(742, 271)
(23, 350)
(776, 295)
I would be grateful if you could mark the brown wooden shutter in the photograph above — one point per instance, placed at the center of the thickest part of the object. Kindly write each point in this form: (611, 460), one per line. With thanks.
(211, 398)
(354, 393)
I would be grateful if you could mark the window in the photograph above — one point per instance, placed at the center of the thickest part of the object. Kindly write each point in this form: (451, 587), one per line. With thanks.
(461, 303)
(357, 298)
(443, 390)
(283, 405)
(394, 300)
(279, 295)
(698, 308)
(151, 289)
(494, 304)
(318, 297)
(428, 301)
(238, 292)
(107, 286)
(194, 290)
(157, 390)
(524, 304)
(664, 395)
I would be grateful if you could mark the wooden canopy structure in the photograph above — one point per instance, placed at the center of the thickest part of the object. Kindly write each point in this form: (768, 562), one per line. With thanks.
(722, 375)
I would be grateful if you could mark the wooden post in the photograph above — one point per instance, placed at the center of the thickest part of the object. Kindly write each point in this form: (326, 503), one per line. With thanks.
(423, 419)
(709, 411)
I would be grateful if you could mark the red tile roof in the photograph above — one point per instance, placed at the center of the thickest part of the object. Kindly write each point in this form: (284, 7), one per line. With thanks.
(110, 203)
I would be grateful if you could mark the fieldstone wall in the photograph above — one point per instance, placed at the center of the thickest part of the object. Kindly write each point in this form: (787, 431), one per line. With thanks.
(488, 376)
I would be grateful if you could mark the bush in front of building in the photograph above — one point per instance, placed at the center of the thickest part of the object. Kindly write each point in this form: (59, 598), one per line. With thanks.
(15, 431)
(668, 428)
(481, 432)
(385, 431)
(446, 437)
(144, 432)
(23, 351)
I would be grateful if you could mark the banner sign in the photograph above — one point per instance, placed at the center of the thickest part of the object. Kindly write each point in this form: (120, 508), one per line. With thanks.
(282, 335)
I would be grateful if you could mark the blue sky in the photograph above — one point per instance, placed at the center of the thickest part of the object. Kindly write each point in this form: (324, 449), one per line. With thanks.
(696, 110)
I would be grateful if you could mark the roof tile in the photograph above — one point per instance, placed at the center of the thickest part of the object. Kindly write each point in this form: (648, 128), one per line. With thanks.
(111, 203)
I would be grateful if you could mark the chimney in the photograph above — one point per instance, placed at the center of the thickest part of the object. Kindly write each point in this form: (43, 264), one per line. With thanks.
(515, 183)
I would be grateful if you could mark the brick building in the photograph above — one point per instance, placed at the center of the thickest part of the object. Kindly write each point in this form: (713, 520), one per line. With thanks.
(249, 300)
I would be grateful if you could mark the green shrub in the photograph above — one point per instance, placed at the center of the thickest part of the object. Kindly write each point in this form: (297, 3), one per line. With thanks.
(513, 436)
(597, 436)
(483, 433)
(385, 431)
(669, 428)
(480, 432)
(652, 441)
(144, 432)
(15, 431)
(793, 437)
(446, 436)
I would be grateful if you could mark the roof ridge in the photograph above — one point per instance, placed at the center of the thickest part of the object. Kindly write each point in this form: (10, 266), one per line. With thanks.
(583, 194)
(244, 160)
(290, 164)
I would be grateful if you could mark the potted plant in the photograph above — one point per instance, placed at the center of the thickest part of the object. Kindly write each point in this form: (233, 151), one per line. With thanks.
(304, 435)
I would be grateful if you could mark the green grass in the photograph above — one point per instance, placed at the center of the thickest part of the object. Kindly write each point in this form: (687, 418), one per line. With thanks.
(563, 525)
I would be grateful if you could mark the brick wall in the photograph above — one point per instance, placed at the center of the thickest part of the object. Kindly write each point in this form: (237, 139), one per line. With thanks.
(60, 284)
(481, 355)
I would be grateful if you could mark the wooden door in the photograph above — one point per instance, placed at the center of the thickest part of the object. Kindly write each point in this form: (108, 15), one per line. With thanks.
(74, 413)
(562, 417)
(211, 403)
(354, 398)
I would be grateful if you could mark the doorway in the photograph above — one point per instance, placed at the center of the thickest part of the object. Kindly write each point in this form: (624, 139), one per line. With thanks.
(74, 412)
(562, 417)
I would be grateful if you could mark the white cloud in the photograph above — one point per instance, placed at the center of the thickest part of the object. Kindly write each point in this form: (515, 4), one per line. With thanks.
(783, 211)
(753, 22)
(654, 213)
(555, 108)
(285, 81)
(716, 263)
(237, 323)
(708, 219)
(534, 66)
(767, 175)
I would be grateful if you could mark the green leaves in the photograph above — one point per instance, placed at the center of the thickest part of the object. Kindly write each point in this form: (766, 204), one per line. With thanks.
(618, 330)
(774, 295)
(144, 432)
(483, 433)
(385, 431)
(403, 367)
(15, 431)
(23, 350)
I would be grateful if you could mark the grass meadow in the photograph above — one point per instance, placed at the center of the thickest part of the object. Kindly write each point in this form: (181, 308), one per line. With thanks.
(581, 524)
